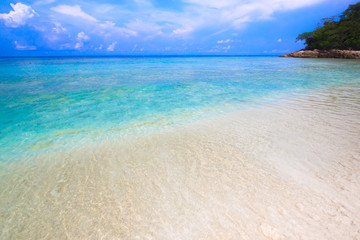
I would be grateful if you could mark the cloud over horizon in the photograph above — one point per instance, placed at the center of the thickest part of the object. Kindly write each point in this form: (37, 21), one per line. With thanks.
(178, 24)
(18, 16)
(74, 11)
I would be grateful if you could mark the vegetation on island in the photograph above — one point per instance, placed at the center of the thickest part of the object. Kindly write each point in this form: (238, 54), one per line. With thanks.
(338, 32)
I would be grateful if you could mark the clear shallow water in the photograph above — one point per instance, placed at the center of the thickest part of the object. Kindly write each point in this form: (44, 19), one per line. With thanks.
(49, 102)
(267, 148)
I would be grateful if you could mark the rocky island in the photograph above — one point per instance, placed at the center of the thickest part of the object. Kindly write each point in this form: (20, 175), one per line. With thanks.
(335, 37)
(333, 53)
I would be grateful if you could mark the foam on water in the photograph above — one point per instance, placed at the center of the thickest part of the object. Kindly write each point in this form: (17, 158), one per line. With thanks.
(288, 169)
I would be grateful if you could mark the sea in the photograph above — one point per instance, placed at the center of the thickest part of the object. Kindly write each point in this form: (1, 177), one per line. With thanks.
(179, 147)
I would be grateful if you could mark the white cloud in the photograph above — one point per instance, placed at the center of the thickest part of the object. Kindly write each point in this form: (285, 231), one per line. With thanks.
(143, 19)
(58, 28)
(79, 45)
(143, 3)
(111, 47)
(109, 28)
(81, 37)
(225, 41)
(65, 46)
(213, 3)
(147, 20)
(183, 31)
(278, 51)
(238, 13)
(53, 33)
(104, 9)
(99, 48)
(210, 15)
(19, 46)
(73, 11)
(144, 26)
(220, 48)
(18, 16)
(44, 2)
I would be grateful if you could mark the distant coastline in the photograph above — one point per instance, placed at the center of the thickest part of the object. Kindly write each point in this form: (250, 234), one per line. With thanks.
(333, 53)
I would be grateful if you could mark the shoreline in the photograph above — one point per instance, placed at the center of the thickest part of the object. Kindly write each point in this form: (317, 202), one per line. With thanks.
(267, 172)
(333, 53)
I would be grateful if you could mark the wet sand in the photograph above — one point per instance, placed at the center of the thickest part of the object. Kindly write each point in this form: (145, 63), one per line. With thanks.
(289, 170)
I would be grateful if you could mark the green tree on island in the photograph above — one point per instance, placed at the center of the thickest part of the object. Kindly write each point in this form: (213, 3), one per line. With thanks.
(341, 32)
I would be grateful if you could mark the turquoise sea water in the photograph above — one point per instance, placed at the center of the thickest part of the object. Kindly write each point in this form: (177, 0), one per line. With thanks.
(48, 103)
(179, 148)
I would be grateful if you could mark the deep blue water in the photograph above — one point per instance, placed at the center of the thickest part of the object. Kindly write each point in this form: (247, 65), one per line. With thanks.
(56, 102)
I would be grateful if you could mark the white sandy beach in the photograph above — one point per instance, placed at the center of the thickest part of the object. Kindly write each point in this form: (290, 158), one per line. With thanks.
(289, 170)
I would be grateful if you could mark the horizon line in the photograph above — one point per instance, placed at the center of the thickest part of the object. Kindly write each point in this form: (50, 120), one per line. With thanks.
(144, 55)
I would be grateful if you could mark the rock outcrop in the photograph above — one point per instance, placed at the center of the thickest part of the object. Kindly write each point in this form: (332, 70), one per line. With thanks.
(334, 53)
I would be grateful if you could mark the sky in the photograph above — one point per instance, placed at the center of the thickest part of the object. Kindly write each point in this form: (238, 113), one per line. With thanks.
(159, 27)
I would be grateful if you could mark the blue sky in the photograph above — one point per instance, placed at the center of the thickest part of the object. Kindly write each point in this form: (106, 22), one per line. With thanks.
(145, 27)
